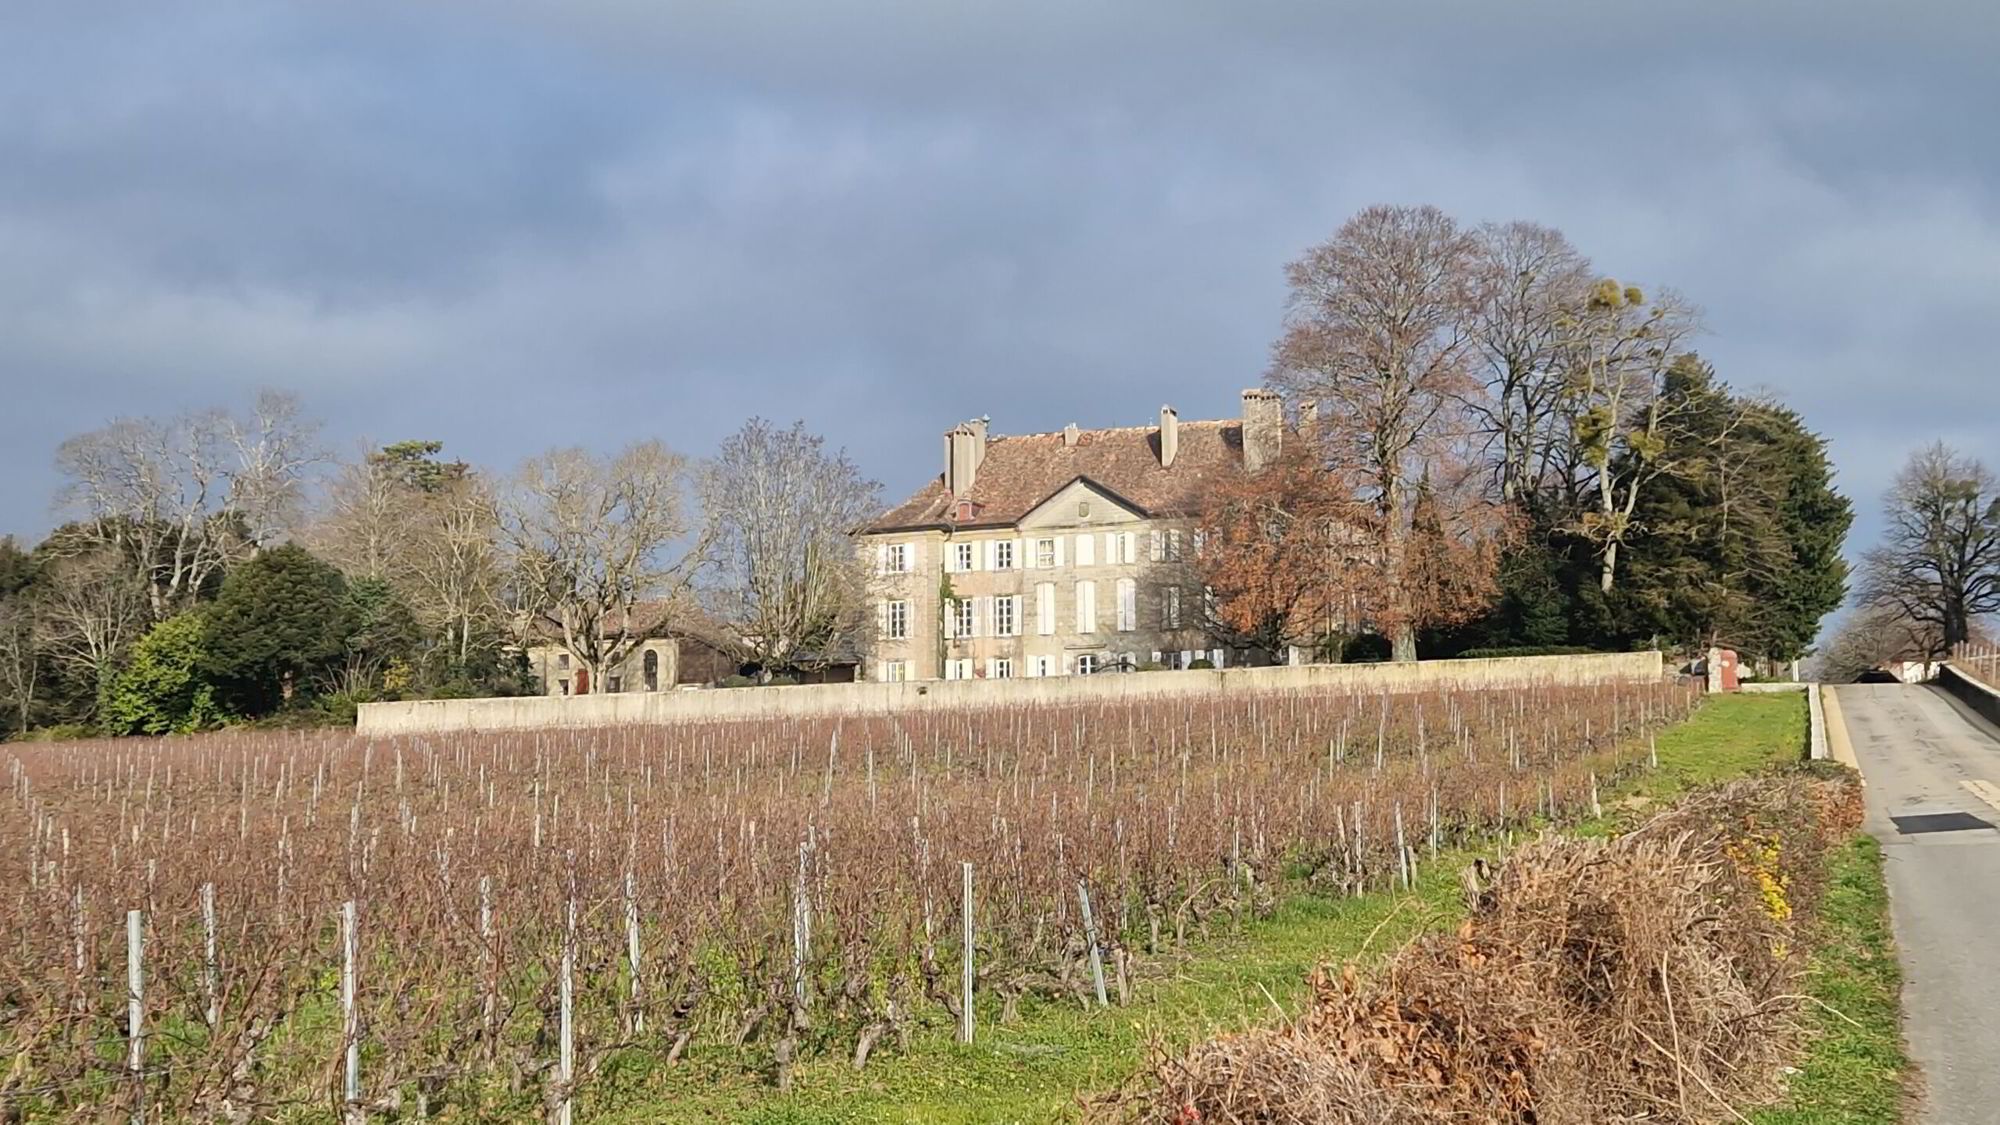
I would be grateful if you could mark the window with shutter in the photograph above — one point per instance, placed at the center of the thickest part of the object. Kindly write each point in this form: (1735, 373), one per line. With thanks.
(1086, 606)
(1086, 550)
(1045, 608)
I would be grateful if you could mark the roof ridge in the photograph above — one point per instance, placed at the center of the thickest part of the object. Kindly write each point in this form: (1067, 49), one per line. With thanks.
(1117, 429)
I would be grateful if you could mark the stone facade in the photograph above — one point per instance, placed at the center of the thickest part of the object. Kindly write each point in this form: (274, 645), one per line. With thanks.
(1056, 554)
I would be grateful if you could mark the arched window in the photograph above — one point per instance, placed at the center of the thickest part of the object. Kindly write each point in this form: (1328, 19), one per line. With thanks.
(652, 670)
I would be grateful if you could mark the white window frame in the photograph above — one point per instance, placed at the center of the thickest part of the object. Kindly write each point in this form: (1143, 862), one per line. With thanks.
(896, 559)
(964, 617)
(1045, 552)
(893, 671)
(1003, 554)
(965, 556)
(1007, 615)
(1088, 663)
(960, 669)
(896, 620)
(1170, 607)
(1000, 668)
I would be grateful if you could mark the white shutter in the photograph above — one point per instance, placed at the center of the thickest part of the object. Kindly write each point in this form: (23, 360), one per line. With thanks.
(978, 614)
(1086, 606)
(916, 554)
(881, 558)
(949, 608)
(1018, 545)
(992, 551)
(1156, 546)
(1086, 550)
(1216, 656)
(1110, 547)
(1045, 608)
(951, 558)
(881, 619)
(1027, 560)
(1059, 548)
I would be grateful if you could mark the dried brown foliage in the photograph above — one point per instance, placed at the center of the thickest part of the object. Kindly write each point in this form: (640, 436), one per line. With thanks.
(1652, 977)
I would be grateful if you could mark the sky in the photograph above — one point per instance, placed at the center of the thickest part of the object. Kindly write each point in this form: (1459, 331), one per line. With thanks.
(512, 226)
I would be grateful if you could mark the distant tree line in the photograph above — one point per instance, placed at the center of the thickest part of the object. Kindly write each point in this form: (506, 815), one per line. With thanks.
(1498, 449)
(220, 569)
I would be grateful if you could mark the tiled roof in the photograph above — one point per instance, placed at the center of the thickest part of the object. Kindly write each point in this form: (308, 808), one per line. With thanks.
(656, 617)
(1020, 471)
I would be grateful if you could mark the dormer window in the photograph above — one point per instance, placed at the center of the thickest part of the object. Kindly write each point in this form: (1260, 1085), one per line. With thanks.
(967, 511)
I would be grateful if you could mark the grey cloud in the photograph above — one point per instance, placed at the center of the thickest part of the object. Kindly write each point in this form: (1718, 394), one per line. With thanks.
(512, 225)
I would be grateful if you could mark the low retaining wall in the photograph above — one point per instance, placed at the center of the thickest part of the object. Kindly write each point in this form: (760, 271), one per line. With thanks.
(1975, 694)
(429, 715)
(1817, 745)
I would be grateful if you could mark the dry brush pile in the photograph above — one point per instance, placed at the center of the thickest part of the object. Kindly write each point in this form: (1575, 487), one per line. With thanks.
(757, 891)
(1654, 977)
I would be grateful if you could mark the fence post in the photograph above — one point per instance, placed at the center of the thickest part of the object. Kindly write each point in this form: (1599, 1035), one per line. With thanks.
(210, 978)
(350, 1016)
(632, 951)
(566, 1073)
(135, 1011)
(966, 968)
(1090, 936)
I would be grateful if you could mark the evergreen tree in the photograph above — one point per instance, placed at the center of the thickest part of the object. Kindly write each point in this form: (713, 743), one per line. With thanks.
(278, 629)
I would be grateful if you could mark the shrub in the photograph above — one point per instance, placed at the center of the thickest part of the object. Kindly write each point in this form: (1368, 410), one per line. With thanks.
(1368, 648)
(163, 689)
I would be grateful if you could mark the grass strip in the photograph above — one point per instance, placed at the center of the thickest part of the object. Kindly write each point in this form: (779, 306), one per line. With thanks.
(1853, 1072)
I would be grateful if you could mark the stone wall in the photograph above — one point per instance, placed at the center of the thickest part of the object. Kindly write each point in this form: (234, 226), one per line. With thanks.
(383, 719)
(1976, 695)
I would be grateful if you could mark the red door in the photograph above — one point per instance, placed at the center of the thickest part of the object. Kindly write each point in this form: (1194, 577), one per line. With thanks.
(583, 681)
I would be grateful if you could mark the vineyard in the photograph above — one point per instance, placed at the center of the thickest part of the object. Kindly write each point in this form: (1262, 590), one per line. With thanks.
(317, 927)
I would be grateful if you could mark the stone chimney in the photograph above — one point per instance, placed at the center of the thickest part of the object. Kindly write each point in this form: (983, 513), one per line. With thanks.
(1170, 436)
(1263, 427)
(964, 449)
(1069, 436)
(1308, 425)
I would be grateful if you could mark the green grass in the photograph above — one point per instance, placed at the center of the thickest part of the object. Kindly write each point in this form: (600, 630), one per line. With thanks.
(1037, 1069)
(1730, 736)
(1853, 1072)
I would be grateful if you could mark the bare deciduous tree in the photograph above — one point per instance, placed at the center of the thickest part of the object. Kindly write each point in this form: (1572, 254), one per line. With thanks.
(1529, 285)
(430, 529)
(20, 658)
(181, 498)
(1873, 637)
(1938, 564)
(88, 609)
(781, 510)
(1376, 340)
(592, 537)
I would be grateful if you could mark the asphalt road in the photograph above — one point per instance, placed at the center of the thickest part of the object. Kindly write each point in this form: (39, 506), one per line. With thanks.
(1925, 754)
